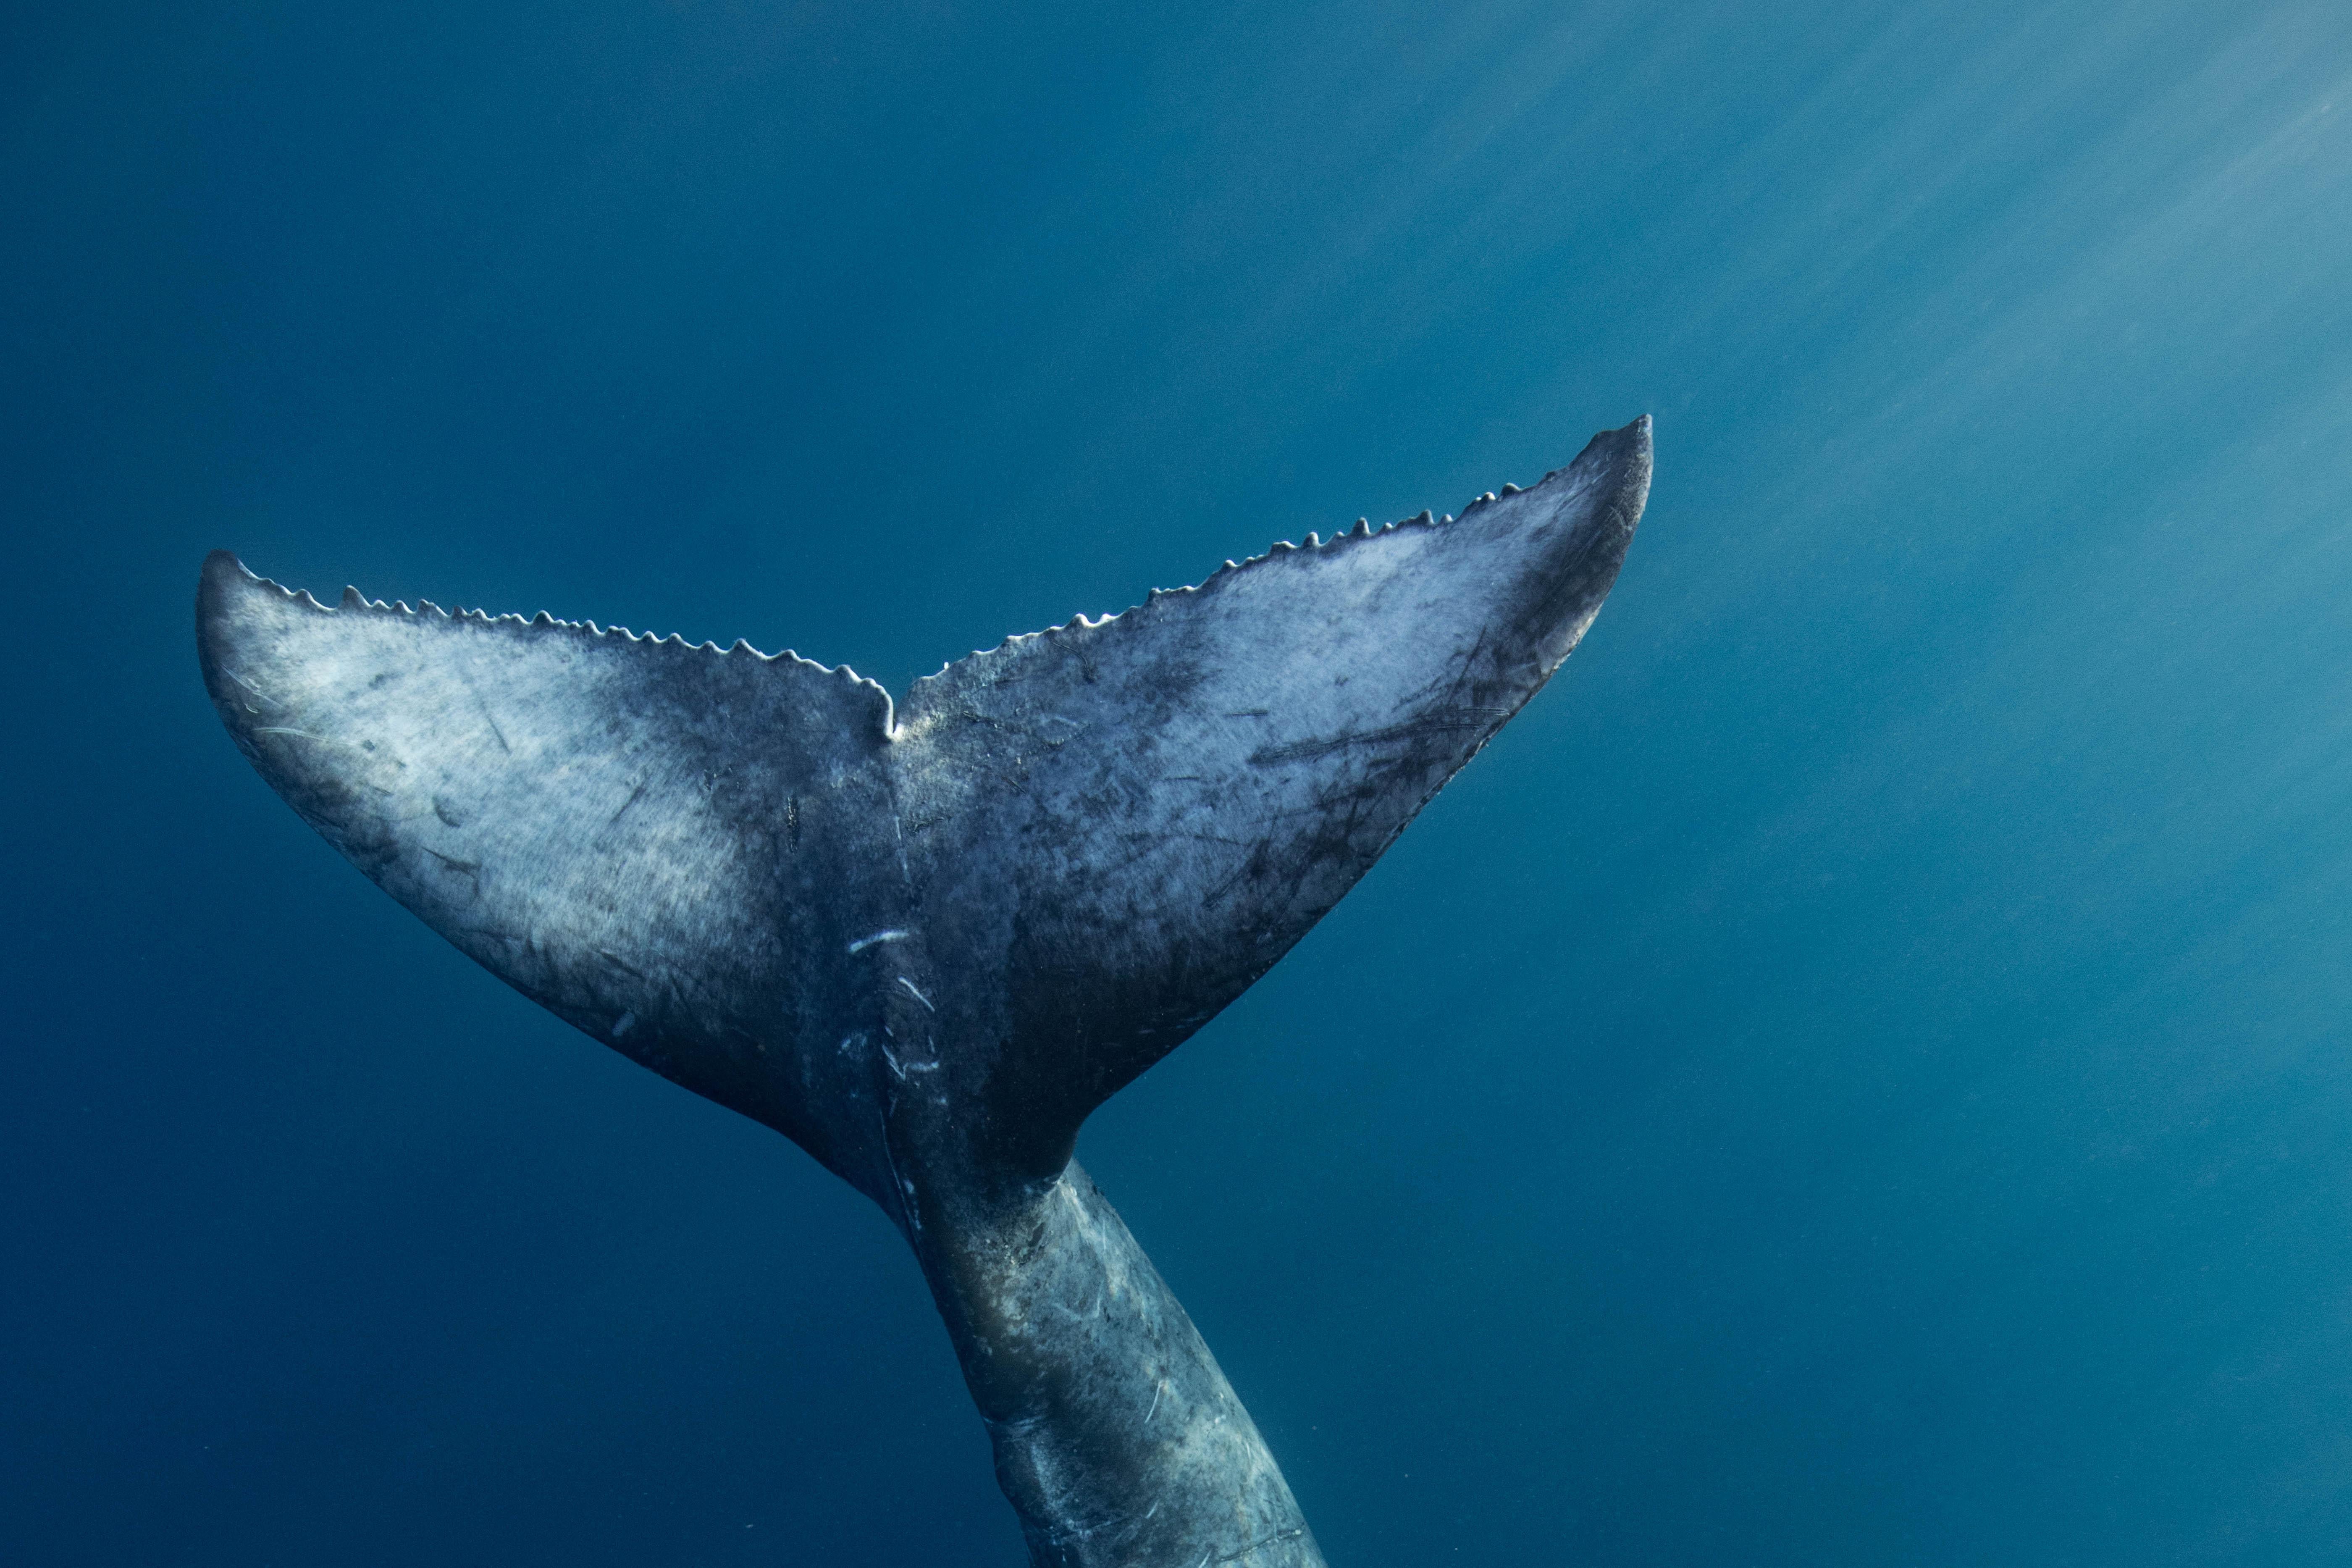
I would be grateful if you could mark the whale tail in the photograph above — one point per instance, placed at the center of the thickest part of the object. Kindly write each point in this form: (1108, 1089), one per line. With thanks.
(1055, 862)
(926, 940)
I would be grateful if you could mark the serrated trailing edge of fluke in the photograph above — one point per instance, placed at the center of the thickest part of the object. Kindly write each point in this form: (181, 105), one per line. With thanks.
(354, 601)
(1363, 532)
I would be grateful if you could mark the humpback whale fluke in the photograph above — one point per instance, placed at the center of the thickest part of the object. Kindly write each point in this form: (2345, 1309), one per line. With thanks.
(925, 942)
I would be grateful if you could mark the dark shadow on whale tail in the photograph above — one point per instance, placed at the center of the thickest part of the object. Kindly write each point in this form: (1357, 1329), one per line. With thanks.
(924, 943)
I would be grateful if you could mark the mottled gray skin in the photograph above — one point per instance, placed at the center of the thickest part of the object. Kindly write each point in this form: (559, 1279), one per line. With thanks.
(926, 943)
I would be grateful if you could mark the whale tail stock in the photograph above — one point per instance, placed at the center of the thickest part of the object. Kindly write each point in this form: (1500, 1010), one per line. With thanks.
(926, 941)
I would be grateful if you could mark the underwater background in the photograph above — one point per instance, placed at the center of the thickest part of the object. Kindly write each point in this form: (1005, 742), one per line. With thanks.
(1857, 1073)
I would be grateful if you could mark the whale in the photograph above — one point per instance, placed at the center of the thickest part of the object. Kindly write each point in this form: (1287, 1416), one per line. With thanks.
(924, 939)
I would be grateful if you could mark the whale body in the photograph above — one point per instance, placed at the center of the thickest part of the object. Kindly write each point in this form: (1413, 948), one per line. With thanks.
(925, 940)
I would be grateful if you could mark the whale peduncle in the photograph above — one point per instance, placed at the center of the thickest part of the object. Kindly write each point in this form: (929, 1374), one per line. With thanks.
(1118, 1439)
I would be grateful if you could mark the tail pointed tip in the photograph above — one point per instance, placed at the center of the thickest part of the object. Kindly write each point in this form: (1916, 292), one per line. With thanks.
(222, 577)
(222, 567)
(1625, 449)
(1631, 440)
(1631, 451)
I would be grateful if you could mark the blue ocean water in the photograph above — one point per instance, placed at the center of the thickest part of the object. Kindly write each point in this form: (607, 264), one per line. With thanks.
(1857, 1073)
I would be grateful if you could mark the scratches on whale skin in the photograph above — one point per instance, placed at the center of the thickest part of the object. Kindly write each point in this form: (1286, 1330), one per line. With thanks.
(1277, 1537)
(456, 867)
(253, 690)
(1253, 867)
(901, 1188)
(635, 796)
(916, 994)
(1447, 722)
(879, 937)
(617, 961)
(492, 721)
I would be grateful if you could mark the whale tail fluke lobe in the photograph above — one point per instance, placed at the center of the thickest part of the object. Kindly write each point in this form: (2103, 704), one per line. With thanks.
(598, 819)
(1129, 821)
(926, 941)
